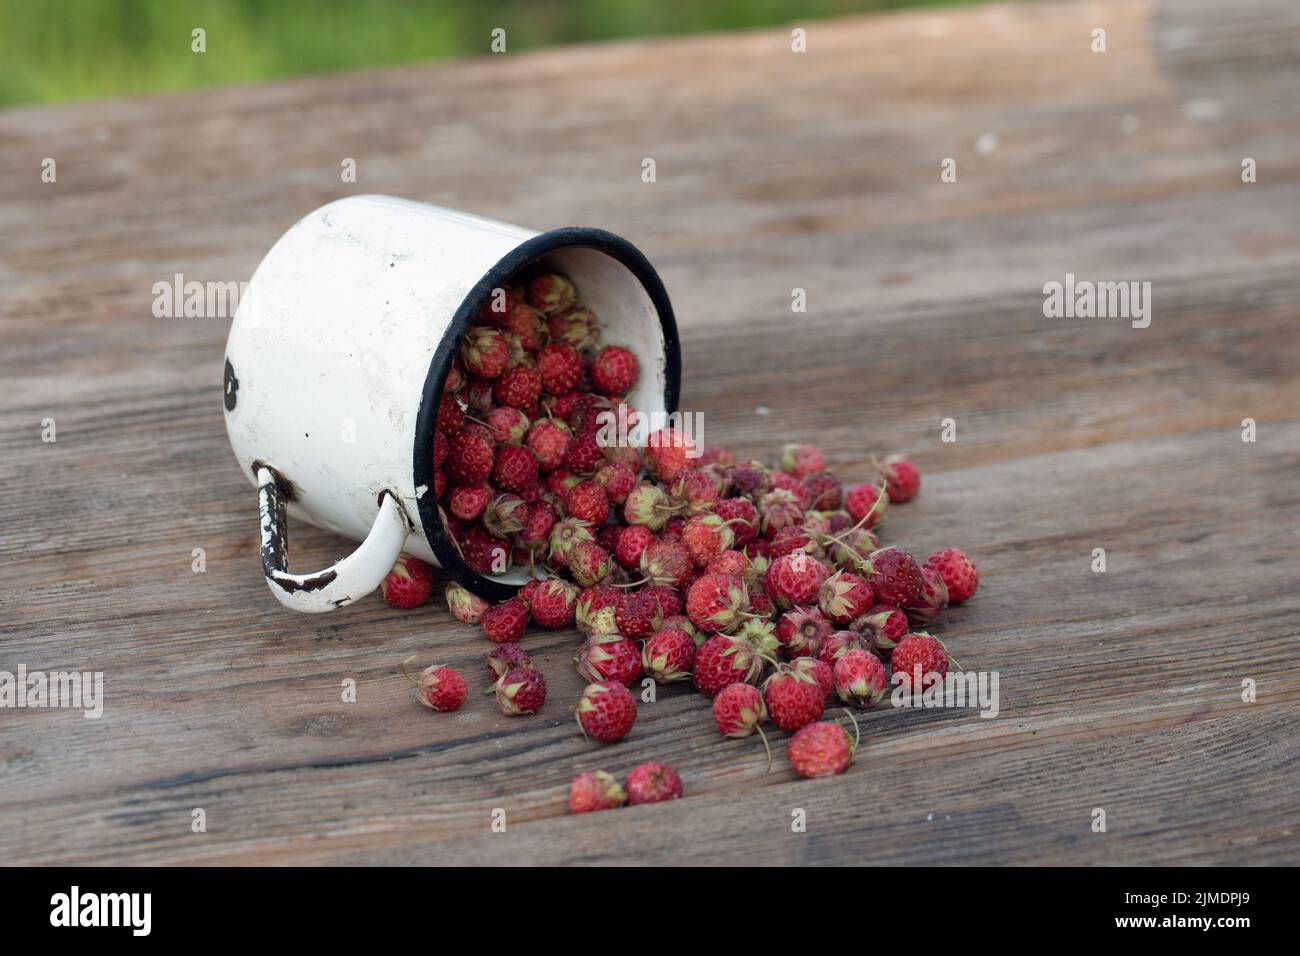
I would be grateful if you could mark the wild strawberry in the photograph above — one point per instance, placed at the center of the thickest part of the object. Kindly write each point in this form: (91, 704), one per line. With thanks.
(647, 505)
(505, 516)
(883, 626)
(587, 501)
(824, 491)
(561, 368)
(788, 482)
(614, 371)
(595, 611)
(482, 552)
(464, 605)
(902, 479)
(553, 604)
(439, 688)
(860, 679)
(865, 505)
(795, 538)
(706, 537)
(668, 451)
(451, 418)
(589, 563)
(518, 387)
(409, 584)
(802, 460)
(560, 481)
(617, 479)
(652, 783)
(695, 491)
(606, 711)
(548, 440)
(668, 655)
(820, 671)
(585, 453)
(822, 750)
(574, 327)
(738, 710)
(504, 623)
(794, 579)
(595, 791)
(477, 395)
(470, 455)
(794, 698)
(848, 549)
(837, 643)
(669, 601)
(609, 657)
(550, 293)
(778, 509)
(895, 576)
(505, 657)
(632, 544)
(845, 597)
(468, 501)
(637, 615)
(673, 529)
(728, 562)
(760, 604)
(731, 509)
(566, 535)
(723, 660)
(521, 690)
(666, 563)
(717, 602)
(958, 572)
(537, 530)
(919, 656)
(485, 352)
(801, 631)
(930, 603)
(508, 425)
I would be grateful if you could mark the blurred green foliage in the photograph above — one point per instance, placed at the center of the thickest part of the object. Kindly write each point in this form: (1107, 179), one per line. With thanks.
(52, 50)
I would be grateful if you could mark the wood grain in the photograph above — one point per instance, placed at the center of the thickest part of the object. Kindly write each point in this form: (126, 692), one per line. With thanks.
(1119, 690)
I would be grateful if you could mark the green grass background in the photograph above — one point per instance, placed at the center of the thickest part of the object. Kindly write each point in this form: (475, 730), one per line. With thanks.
(58, 50)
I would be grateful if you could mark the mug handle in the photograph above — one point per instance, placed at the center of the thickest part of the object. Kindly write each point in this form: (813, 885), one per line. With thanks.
(354, 577)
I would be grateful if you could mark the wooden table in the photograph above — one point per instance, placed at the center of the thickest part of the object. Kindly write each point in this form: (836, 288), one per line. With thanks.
(1119, 690)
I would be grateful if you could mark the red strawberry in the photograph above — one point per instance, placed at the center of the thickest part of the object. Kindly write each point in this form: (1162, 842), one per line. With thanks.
(860, 679)
(647, 506)
(451, 417)
(667, 453)
(920, 655)
(717, 602)
(409, 584)
(666, 563)
(883, 626)
(801, 631)
(865, 505)
(802, 460)
(958, 572)
(587, 501)
(585, 453)
(482, 552)
(508, 425)
(576, 327)
(837, 643)
(470, 455)
(548, 440)
(821, 750)
(464, 605)
(498, 305)
(485, 352)
(738, 710)
(561, 368)
(606, 711)
(778, 509)
(617, 479)
(505, 657)
(439, 688)
(668, 655)
(609, 657)
(728, 562)
(794, 579)
(468, 501)
(553, 604)
(566, 535)
(820, 671)
(670, 603)
(632, 544)
(723, 660)
(932, 600)
(845, 597)
(696, 491)
(515, 468)
(505, 516)
(651, 783)
(902, 479)
(504, 623)
(637, 615)
(595, 611)
(824, 491)
(706, 537)
(518, 387)
(794, 697)
(729, 509)
(589, 563)
(550, 293)
(895, 576)
(614, 371)
(521, 690)
(595, 791)
(537, 531)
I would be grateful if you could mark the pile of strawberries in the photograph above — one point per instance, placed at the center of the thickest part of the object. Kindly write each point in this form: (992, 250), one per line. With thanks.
(765, 587)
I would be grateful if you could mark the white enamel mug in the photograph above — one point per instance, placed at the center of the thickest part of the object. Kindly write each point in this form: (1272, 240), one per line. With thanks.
(338, 353)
